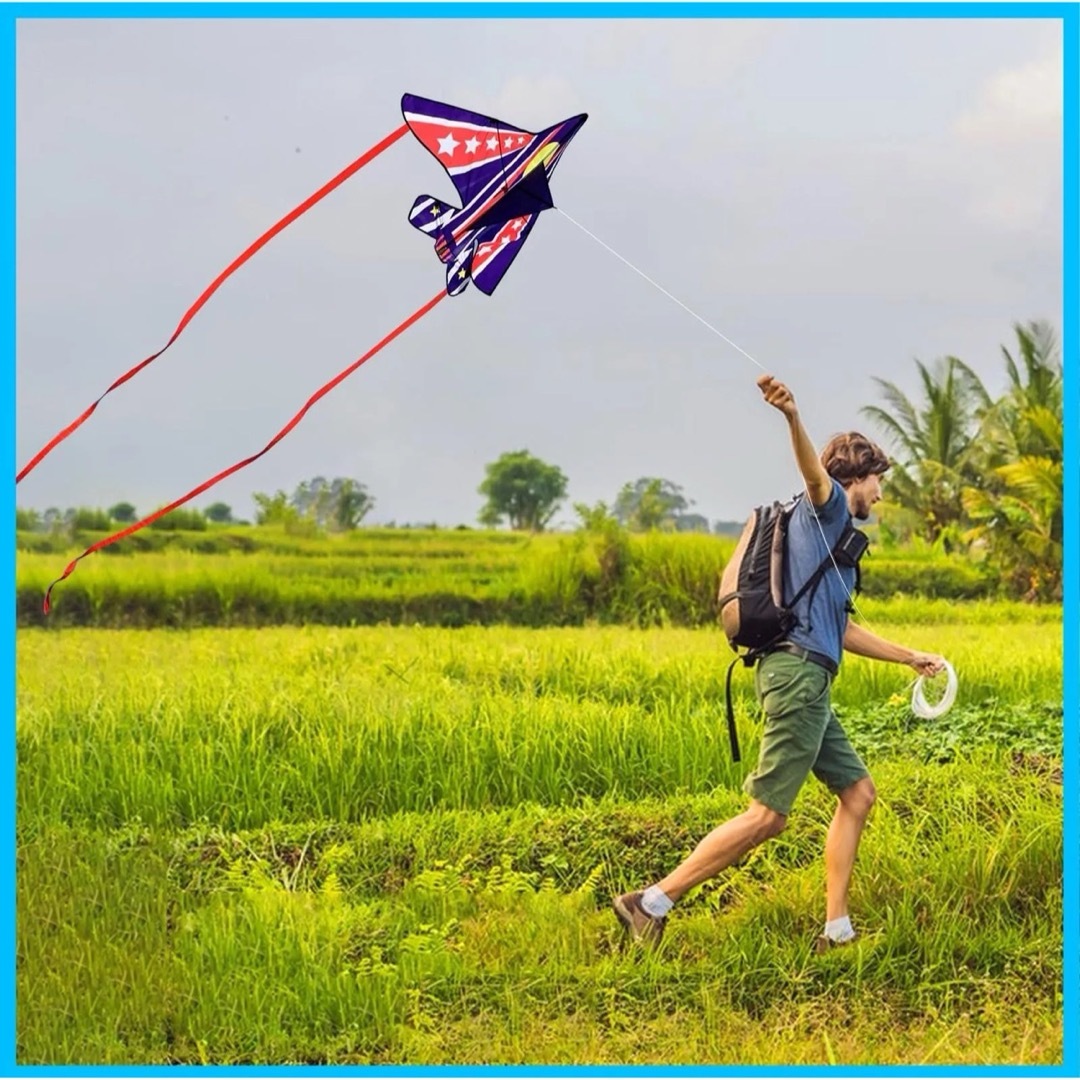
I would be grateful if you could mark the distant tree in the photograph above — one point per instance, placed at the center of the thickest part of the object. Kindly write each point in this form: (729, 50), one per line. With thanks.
(523, 489)
(274, 509)
(27, 520)
(123, 512)
(219, 512)
(339, 504)
(312, 498)
(650, 503)
(728, 528)
(692, 523)
(350, 502)
(52, 519)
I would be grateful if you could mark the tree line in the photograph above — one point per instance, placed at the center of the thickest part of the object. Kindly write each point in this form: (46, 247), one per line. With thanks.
(521, 491)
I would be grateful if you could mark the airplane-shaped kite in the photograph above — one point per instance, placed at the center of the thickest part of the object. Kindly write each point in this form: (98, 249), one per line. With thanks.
(501, 173)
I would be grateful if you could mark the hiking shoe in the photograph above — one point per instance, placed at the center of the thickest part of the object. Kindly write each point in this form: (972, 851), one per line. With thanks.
(824, 944)
(637, 921)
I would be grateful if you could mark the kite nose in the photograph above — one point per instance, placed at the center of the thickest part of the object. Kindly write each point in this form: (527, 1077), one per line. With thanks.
(574, 124)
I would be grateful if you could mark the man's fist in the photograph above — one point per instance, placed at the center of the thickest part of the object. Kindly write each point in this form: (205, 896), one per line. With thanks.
(928, 664)
(777, 395)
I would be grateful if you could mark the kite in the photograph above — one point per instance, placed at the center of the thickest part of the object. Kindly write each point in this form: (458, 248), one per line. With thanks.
(501, 173)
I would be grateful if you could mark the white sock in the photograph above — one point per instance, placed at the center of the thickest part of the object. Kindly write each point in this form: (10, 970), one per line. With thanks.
(656, 902)
(840, 929)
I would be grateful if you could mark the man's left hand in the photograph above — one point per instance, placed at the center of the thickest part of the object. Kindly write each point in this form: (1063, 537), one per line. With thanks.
(927, 663)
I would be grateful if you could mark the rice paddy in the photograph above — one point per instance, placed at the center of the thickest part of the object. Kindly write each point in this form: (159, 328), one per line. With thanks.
(398, 844)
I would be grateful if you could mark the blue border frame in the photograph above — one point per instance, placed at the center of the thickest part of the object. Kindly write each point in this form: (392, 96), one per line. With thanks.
(7, 528)
(1068, 13)
(502, 9)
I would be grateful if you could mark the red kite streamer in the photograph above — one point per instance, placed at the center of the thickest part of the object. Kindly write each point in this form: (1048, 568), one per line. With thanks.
(307, 204)
(323, 390)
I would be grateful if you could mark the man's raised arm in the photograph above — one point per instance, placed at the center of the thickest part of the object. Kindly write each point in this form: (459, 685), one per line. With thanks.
(818, 482)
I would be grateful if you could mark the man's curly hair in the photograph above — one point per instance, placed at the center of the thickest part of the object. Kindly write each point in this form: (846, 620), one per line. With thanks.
(852, 456)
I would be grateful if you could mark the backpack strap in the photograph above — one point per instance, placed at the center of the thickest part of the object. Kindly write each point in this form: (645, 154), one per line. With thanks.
(811, 583)
(732, 733)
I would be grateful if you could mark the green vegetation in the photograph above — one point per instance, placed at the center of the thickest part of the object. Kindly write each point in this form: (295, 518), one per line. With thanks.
(269, 576)
(984, 474)
(380, 845)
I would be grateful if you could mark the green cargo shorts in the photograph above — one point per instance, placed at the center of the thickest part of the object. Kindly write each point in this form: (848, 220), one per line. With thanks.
(802, 734)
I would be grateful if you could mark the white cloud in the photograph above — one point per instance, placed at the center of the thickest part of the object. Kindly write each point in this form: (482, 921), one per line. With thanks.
(1018, 104)
(1016, 122)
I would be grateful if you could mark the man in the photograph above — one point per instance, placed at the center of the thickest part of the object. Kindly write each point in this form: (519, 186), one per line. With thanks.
(792, 682)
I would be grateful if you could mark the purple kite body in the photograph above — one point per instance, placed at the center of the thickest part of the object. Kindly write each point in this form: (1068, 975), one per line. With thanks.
(501, 173)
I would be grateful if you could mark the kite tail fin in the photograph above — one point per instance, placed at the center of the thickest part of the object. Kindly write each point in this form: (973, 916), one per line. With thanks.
(239, 261)
(321, 392)
(429, 214)
(459, 270)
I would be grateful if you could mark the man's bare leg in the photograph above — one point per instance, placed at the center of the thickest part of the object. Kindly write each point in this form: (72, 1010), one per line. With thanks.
(852, 808)
(725, 845)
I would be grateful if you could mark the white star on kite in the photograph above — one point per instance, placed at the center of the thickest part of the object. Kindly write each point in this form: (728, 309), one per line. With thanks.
(492, 143)
(471, 145)
(448, 144)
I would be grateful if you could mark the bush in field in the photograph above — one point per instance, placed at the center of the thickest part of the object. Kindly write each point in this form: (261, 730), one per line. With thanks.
(948, 578)
(174, 520)
(123, 512)
(220, 513)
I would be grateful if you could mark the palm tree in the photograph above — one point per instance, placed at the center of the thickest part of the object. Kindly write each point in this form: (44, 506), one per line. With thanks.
(1018, 508)
(936, 444)
(1027, 418)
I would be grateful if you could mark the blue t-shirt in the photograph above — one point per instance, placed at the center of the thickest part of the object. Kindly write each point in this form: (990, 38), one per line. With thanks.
(823, 620)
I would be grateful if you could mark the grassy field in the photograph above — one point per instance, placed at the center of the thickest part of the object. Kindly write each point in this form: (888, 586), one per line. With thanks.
(398, 844)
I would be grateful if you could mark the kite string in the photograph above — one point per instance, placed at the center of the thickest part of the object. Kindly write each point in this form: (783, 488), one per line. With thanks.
(656, 285)
(641, 273)
(209, 291)
(321, 392)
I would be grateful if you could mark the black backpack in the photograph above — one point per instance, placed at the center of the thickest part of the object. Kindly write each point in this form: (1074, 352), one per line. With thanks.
(751, 598)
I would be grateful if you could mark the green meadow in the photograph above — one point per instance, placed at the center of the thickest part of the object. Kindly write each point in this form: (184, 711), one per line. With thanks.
(250, 834)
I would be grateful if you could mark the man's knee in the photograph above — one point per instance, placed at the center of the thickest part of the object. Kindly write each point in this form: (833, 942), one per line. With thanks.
(859, 798)
(767, 822)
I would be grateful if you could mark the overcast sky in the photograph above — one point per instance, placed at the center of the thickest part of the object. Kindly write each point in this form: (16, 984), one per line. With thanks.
(836, 197)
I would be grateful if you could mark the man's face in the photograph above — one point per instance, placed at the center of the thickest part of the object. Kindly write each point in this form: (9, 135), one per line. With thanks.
(862, 494)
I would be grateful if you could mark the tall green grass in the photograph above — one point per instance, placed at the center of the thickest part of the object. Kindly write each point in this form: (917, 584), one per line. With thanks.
(392, 845)
(244, 727)
(474, 937)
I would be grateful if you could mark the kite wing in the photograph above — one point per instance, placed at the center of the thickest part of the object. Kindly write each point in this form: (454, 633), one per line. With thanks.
(496, 249)
(477, 152)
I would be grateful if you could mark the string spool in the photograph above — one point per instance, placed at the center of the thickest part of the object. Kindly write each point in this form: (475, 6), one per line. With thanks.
(922, 708)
